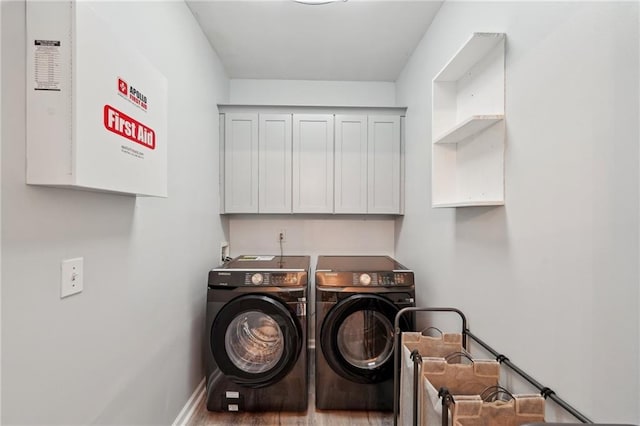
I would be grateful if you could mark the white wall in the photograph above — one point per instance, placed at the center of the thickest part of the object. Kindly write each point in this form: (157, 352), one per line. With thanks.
(550, 279)
(127, 350)
(308, 92)
(313, 235)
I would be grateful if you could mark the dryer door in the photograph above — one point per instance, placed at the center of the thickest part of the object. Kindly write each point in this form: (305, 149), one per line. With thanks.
(255, 340)
(357, 338)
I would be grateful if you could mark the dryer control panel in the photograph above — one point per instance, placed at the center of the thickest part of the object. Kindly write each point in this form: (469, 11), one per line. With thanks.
(362, 271)
(364, 279)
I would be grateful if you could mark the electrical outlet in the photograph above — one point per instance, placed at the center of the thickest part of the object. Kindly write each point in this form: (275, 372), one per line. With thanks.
(224, 250)
(282, 235)
(71, 280)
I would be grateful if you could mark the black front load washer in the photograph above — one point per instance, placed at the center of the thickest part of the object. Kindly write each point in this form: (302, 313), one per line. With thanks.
(357, 299)
(256, 335)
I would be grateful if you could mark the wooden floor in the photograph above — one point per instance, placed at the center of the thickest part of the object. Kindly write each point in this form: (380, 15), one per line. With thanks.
(313, 416)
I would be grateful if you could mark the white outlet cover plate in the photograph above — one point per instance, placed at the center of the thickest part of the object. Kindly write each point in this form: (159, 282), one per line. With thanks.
(71, 277)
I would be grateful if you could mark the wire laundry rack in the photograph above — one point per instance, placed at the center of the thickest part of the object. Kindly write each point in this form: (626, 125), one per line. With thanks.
(444, 394)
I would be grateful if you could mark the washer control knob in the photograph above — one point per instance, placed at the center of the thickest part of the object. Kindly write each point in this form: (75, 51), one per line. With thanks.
(365, 279)
(257, 278)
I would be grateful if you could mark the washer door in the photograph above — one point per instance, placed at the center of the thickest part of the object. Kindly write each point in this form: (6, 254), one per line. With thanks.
(255, 340)
(357, 338)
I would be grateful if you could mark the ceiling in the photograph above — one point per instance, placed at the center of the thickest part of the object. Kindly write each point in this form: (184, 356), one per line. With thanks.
(355, 40)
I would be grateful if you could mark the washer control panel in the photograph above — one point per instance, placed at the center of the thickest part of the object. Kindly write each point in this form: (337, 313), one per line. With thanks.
(257, 278)
(277, 279)
(261, 271)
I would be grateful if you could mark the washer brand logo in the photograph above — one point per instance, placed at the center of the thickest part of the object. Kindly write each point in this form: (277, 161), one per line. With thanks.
(121, 124)
(224, 273)
(132, 94)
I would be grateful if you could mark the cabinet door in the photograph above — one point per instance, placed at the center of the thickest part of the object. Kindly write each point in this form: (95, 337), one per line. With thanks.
(275, 163)
(384, 165)
(312, 163)
(241, 163)
(351, 164)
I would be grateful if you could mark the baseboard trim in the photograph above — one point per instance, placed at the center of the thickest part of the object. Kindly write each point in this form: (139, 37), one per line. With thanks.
(190, 407)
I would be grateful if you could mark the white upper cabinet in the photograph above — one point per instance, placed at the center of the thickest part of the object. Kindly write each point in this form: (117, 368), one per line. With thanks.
(351, 164)
(368, 164)
(312, 163)
(241, 163)
(468, 125)
(302, 159)
(384, 165)
(274, 152)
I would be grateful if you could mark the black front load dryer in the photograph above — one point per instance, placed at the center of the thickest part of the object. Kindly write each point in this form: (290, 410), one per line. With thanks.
(357, 299)
(256, 335)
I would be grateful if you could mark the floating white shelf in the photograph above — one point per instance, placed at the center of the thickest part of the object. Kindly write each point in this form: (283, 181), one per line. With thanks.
(469, 127)
(471, 203)
(476, 49)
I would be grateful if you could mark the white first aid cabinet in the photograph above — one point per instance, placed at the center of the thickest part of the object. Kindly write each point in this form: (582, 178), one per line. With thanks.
(96, 108)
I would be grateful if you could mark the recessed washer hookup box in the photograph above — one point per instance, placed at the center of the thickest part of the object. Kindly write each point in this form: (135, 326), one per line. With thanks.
(96, 107)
